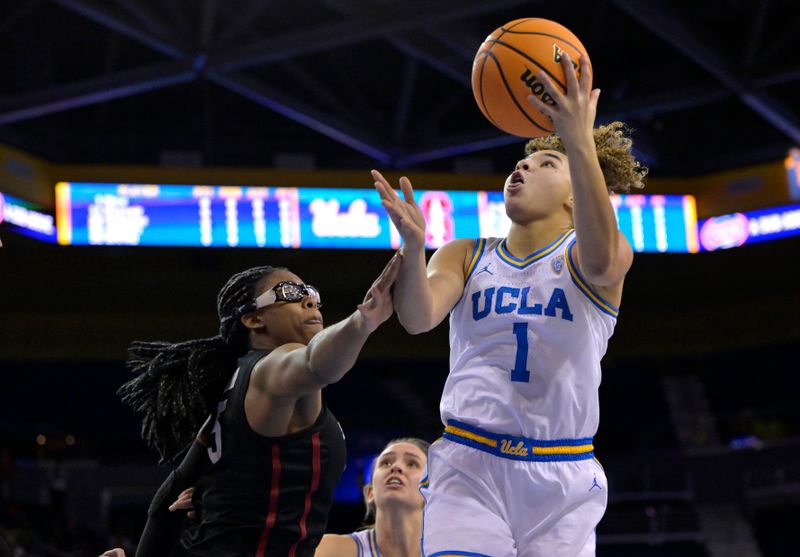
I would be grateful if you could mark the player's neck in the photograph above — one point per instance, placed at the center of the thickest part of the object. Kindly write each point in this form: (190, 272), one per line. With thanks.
(524, 239)
(398, 533)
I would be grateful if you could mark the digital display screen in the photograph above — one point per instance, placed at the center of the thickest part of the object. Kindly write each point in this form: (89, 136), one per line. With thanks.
(26, 218)
(792, 164)
(288, 217)
(738, 229)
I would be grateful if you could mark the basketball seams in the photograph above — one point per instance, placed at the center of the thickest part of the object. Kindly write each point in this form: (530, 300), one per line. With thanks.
(524, 44)
(513, 97)
(484, 106)
(519, 22)
(532, 61)
(539, 33)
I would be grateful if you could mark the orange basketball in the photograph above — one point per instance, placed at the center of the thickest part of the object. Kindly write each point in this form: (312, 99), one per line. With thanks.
(505, 68)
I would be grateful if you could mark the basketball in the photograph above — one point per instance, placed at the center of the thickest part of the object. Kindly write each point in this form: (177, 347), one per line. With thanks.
(505, 68)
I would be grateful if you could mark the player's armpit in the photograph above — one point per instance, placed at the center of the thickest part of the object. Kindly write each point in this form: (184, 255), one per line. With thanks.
(285, 372)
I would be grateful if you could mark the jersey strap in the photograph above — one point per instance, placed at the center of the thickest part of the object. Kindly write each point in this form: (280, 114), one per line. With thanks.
(477, 252)
(518, 448)
(584, 287)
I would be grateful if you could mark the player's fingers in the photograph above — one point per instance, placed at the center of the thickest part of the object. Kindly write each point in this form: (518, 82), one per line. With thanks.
(389, 274)
(180, 505)
(183, 502)
(408, 190)
(369, 299)
(383, 186)
(541, 106)
(586, 73)
(547, 83)
(594, 97)
(378, 177)
(396, 213)
(385, 191)
(573, 86)
(116, 552)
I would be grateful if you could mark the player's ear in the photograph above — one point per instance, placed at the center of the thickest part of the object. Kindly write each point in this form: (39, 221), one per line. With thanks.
(253, 320)
(369, 494)
(570, 203)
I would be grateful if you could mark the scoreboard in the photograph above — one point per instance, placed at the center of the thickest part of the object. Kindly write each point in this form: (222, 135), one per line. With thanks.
(738, 229)
(26, 218)
(309, 217)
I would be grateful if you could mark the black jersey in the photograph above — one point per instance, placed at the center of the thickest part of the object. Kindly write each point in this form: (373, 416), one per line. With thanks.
(264, 496)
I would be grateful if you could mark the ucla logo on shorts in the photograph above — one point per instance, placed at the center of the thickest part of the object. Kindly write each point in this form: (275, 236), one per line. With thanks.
(507, 446)
(558, 264)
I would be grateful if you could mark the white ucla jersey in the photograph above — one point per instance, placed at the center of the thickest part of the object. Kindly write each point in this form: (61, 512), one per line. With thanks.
(526, 339)
(366, 543)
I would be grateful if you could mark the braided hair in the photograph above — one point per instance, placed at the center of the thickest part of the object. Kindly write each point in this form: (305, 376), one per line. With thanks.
(176, 385)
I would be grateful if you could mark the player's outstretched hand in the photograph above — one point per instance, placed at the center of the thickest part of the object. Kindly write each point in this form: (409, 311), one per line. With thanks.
(116, 552)
(377, 305)
(405, 213)
(184, 502)
(574, 112)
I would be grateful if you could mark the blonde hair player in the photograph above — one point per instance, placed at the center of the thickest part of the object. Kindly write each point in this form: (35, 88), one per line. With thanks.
(530, 318)
(393, 501)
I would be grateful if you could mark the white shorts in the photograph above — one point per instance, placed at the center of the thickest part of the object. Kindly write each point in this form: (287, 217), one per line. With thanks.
(482, 505)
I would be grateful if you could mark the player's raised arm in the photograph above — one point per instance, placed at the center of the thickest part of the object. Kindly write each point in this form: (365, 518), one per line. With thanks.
(296, 369)
(603, 253)
(422, 297)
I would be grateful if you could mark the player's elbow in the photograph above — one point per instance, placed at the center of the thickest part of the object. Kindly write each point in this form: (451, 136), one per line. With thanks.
(602, 273)
(413, 327)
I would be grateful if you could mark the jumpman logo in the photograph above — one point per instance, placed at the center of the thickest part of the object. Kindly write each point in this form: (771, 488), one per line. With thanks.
(595, 484)
(485, 270)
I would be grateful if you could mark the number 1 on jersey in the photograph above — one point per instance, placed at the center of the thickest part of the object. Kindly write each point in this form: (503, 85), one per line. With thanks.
(519, 373)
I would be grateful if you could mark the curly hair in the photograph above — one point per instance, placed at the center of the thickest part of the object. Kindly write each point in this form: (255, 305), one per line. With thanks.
(621, 170)
(177, 384)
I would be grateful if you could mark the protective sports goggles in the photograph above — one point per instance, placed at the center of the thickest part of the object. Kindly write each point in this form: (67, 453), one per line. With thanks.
(288, 291)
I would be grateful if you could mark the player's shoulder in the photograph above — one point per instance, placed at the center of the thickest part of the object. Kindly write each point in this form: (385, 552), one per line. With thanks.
(337, 545)
(455, 254)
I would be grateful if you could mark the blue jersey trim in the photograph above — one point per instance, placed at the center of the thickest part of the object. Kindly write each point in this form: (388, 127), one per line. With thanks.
(373, 543)
(477, 253)
(506, 257)
(359, 549)
(587, 290)
(457, 554)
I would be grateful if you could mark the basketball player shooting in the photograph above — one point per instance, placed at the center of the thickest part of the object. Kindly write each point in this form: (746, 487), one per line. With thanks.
(530, 318)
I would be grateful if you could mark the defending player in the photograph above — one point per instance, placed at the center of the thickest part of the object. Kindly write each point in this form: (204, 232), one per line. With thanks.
(530, 317)
(275, 452)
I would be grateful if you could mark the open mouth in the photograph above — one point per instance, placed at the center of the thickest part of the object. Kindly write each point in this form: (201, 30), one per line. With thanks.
(517, 181)
(394, 482)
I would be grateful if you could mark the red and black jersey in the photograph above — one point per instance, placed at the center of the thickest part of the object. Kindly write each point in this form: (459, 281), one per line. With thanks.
(264, 496)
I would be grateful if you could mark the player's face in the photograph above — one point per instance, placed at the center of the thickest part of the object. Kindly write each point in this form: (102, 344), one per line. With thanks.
(398, 471)
(539, 185)
(287, 322)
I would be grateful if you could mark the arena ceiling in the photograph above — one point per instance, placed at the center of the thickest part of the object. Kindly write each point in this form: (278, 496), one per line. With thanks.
(707, 85)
